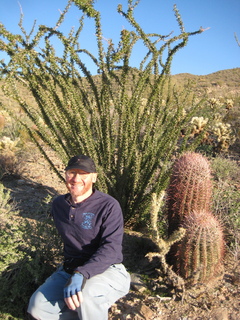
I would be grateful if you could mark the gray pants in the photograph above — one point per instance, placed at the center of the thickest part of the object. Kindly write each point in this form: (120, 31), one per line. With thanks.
(99, 293)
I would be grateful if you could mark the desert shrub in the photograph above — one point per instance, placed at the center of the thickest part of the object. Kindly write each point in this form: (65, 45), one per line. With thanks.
(221, 133)
(2, 122)
(5, 205)
(9, 166)
(226, 198)
(14, 147)
(128, 120)
(12, 157)
(29, 253)
(225, 169)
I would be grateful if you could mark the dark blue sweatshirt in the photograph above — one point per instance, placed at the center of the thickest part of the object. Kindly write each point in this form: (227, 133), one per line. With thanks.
(91, 230)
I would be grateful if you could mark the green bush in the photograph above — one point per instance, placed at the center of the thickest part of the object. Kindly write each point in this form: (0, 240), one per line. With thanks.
(128, 120)
(30, 251)
(226, 198)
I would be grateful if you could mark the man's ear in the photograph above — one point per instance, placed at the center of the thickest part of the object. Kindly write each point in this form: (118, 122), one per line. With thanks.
(94, 177)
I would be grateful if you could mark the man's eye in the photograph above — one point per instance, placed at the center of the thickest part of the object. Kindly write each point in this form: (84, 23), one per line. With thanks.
(70, 174)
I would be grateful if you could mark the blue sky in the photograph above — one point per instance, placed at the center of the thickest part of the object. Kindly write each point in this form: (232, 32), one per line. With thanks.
(213, 50)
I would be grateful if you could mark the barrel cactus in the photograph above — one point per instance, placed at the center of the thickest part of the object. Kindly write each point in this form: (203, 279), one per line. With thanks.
(199, 255)
(190, 188)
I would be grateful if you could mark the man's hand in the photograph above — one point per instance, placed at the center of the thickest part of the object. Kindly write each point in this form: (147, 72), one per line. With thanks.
(72, 291)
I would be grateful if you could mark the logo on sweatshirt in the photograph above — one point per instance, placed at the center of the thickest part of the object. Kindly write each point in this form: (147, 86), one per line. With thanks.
(87, 220)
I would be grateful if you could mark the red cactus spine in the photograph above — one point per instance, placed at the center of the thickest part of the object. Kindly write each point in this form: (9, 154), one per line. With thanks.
(190, 188)
(198, 256)
(200, 253)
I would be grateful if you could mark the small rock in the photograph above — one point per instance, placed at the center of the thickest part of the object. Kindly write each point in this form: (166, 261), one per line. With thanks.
(165, 299)
(145, 312)
(219, 314)
(136, 283)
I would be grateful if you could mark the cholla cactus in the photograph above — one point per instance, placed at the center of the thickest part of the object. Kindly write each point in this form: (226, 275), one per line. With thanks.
(229, 104)
(224, 136)
(157, 203)
(164, 245)
(214, 103)
(200, 253)
(198, 124)
(190, 188)
(9, 146)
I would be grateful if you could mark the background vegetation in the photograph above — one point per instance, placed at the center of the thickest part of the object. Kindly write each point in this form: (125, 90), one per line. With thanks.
(129, 121)
(133, 122)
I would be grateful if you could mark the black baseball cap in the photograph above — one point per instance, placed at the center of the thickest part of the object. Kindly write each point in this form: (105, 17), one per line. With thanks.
(82, 162)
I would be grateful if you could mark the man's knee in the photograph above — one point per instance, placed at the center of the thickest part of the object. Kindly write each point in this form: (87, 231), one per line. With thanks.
(30, 317)
(34, 305)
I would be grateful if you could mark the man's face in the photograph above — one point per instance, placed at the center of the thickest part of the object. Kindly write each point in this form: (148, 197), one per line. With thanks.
(79, 182)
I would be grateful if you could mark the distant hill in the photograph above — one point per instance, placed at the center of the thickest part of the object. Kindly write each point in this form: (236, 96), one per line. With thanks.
(224, 82)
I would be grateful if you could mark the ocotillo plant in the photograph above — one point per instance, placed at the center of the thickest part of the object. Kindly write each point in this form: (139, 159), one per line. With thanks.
(126, 118)
(190, 188)
(200, 253)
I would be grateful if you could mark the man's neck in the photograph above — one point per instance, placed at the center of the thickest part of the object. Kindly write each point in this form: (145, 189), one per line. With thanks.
(81, 198)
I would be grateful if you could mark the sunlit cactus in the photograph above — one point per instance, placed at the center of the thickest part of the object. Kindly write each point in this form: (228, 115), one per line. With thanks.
(214, 103)
(224, 136)
(190, 188)
(229, 104)
(198, 124)
(9, 146)
(199, 255)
